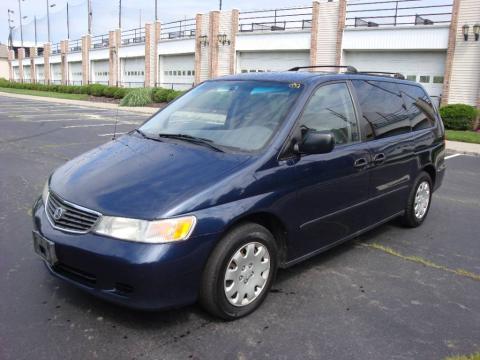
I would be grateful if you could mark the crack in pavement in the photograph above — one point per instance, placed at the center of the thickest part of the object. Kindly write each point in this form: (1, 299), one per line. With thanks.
(420, 260)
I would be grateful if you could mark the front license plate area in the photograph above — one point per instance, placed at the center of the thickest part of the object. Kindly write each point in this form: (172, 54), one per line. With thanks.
(44, 248)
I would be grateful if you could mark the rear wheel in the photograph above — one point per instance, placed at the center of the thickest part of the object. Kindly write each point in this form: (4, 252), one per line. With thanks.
(419, 201)
(239, 272)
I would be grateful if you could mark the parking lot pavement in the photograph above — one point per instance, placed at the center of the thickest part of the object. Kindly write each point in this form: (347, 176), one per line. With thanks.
(394, 293)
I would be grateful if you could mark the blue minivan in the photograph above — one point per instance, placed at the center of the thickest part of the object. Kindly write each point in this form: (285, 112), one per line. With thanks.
(238, 177)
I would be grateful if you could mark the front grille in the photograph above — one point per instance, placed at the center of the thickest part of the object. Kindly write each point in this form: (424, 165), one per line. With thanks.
(70, 217)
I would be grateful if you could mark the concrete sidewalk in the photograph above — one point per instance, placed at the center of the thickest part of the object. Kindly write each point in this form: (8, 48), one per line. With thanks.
(91, 104)
(463, 148)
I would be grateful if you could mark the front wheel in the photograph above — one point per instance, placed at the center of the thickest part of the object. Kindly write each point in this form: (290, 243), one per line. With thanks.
(419, 201)
(239, 272)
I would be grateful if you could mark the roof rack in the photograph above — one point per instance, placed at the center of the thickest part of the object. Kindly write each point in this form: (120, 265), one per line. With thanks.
(383, 73)
(350, 69)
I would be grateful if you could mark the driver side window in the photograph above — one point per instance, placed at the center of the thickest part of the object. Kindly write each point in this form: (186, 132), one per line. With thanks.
(331, 109)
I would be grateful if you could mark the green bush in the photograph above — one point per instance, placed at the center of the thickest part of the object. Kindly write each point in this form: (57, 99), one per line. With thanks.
(96, 89)
(173, 95)
(160, 95)
(109, 91)
(137, 97)
(120, 93)
(458, 116)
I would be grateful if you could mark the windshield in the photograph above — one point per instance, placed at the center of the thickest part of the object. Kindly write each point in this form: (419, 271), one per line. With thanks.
(233, 114)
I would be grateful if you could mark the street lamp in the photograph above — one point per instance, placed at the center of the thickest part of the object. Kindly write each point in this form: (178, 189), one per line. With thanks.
(48, 17)
(10, 27)
(465, 29)
(476, 31)
(21, 18)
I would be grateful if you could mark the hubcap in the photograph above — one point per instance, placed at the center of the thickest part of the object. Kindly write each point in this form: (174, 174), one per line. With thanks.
(422, 199)
(246, 274)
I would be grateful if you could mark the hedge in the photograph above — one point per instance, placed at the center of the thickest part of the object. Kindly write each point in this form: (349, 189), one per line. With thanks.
(458, 116)
(155, 94)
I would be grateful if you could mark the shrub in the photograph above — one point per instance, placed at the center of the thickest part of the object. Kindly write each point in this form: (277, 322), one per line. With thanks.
(137, 97)
(109, 91)
(96, 89)
(120, 93)
(160, 95)
(458, 116)
(173, 95)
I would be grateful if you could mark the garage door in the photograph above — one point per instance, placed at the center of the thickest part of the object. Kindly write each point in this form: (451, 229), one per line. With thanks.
(428, 68)
(177, 71)
(133, 72)
(56, 73)
(271, 60)
(26, 73)
(40, 73)
(75, 73)
(100, 71)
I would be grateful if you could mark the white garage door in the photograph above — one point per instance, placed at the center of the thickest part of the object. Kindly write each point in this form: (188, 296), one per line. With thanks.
(271, 60)
(40, 73)
(75, 73)
(100, 72)
(56, 73)
(133, 72)
(177, 71)
(26, 73)
(427, 68)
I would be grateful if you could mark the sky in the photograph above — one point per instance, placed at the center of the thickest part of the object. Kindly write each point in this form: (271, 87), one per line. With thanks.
(105, 14)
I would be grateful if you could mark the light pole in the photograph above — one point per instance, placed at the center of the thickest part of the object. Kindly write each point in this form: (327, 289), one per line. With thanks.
(10, 28)
(48, 17)
(89, 17)
(21, 18)
(68, 23)
(119, 14)
(220, 5)
(156, 10)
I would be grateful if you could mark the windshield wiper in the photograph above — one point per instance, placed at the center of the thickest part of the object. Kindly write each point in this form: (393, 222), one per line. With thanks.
(145, 136)
(193, 140)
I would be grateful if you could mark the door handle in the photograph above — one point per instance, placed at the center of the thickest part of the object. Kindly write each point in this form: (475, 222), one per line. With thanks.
(360, 163)
(379, 158)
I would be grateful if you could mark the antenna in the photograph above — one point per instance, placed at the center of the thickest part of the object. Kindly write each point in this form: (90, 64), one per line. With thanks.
(115, 128)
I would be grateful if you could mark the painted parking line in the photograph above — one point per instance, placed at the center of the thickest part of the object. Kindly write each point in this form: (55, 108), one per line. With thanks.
(111, 134)
(452, 156)
(86, 125)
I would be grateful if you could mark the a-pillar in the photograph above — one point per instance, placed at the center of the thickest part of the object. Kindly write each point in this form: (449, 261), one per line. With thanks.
(33, 68)
(152, 37)
(21, 56)
(113, 58)
(86, 45)
(47, 71)
(64, 61)
(328, 24)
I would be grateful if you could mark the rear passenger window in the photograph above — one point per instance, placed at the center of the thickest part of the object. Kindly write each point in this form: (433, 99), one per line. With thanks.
(419, 107)
(382, 108)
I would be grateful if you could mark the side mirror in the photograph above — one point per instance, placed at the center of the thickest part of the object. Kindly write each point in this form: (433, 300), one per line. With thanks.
(315, 142)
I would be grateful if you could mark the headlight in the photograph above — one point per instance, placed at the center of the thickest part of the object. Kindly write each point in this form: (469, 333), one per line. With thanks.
(45, 193)
(153, 232)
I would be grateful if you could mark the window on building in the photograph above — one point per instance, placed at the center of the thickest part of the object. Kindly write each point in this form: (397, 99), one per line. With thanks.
(165, 73)
(331, 109)
(412, 77)
(438, 79)
(382, 108)
(244, 71)
(189, 72)
(424, 79)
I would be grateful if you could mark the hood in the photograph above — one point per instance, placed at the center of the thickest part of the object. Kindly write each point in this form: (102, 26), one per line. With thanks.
(141, 178)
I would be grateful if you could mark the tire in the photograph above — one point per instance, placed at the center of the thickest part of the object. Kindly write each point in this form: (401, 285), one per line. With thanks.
(237, 244)
(413, 218)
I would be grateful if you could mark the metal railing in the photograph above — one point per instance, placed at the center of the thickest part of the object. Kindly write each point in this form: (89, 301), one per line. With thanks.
(131, 84)
(178, 29)
(100, 41)
(133, 36)
(175, 86)
(56, 49)
(398, 13)
(298, 18)
(75, 45)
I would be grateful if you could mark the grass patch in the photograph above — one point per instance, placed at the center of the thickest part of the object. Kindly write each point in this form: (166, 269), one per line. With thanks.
(464, 136)
(475, 356)
(45, 94)
(137, 97)
(422, 261)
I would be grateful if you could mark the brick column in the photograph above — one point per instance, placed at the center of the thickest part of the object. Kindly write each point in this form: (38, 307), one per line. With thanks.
(113, 44)
(152, 36)
(47, 71)
(64, 61)
(33, 69)
(202, 53)
(11, 57)
(328, 23)
(86, 45)
(214, 27)
(452, 41)
(224, 61)
(21, 56)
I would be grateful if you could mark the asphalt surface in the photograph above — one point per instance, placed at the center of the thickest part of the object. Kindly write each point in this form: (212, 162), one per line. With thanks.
(358, 301)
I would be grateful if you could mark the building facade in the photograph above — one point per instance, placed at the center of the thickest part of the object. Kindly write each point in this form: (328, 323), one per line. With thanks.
(436, 45)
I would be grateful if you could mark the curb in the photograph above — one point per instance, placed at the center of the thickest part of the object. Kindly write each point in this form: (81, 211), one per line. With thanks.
(463, 148)
(99, 105)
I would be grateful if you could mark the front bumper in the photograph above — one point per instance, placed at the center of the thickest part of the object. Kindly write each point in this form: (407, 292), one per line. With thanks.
(142, 276)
